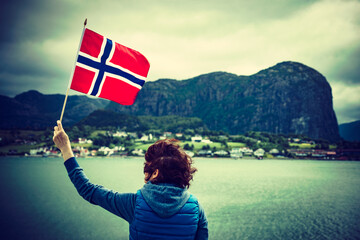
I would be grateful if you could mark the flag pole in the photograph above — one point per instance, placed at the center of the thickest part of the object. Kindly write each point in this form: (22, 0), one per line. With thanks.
(72, 72)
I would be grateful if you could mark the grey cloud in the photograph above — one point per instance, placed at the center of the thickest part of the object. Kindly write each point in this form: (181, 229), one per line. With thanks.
(12, 85)
(349, 69)
(184, 18)
(348, 114)
(27, 25)
(25, 59)
(32, 20)
(24, 67)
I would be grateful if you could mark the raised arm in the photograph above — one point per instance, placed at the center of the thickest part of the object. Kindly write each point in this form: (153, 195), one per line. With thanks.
(120, 204)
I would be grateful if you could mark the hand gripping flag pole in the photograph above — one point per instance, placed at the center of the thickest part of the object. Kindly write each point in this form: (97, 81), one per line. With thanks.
(72, 72)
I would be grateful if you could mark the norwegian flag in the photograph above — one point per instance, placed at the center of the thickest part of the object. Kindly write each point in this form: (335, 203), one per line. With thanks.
(109, 70)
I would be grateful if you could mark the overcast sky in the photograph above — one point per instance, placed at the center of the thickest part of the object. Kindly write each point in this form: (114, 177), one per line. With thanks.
(183, 39)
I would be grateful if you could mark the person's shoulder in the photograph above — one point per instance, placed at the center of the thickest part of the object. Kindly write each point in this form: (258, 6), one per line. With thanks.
(193, 198)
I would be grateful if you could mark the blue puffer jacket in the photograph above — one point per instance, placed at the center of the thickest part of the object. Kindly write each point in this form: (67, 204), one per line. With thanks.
(173, 215)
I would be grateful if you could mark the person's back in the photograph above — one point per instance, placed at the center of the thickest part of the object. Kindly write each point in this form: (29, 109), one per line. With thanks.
(181, 223)
(162, 208)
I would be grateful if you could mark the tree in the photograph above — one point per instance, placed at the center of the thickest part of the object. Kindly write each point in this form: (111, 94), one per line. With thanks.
(323, 145)
(102, 140)
(224, 143)
(205, 147)
(188, 147)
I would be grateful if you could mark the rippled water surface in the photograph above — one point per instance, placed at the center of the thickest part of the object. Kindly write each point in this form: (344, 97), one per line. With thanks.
(243, 199)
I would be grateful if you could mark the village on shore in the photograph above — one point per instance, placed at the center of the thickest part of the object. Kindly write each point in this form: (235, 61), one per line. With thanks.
(122, 143)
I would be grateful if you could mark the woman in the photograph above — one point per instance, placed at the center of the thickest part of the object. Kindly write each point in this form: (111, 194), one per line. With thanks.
(163, 208)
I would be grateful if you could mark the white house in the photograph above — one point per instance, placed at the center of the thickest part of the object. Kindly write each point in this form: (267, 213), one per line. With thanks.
(206, 141)
(106, 150)
(84, 140)
(259, 152)
(178, 135)
(246, 151)
(138, 152)
(120, 134)
(197, 138)
(146, 138)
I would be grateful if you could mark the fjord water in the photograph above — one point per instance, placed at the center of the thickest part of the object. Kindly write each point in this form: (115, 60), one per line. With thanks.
(243, 199)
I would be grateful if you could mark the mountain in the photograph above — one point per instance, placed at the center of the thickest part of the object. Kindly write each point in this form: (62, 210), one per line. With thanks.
(102, 118)
(106, 119)
(350, 131)
(37, 111)
(286, 98)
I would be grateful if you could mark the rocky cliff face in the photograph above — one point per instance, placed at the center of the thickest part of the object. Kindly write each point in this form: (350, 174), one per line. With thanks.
(293, 98)
(286, 98)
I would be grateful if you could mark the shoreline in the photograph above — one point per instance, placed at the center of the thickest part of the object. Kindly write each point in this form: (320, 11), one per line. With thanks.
(194, 158)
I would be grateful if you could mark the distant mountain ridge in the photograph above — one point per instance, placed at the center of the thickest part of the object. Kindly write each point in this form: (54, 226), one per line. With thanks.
(34, 110)
(350, 131)
(286, 98)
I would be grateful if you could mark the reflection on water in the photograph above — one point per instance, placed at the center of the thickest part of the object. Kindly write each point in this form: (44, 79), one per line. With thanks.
(243, 199)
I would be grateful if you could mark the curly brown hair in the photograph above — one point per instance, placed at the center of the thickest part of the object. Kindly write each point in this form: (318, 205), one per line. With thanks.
(173, 164)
